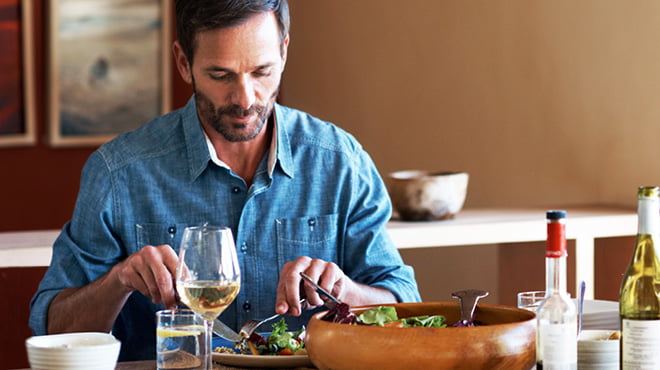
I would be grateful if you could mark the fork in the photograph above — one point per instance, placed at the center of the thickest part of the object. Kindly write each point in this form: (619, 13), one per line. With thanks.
(251, 325)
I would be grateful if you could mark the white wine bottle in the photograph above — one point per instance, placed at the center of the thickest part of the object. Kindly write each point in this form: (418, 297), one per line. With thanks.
(639, 302)
(556, 317)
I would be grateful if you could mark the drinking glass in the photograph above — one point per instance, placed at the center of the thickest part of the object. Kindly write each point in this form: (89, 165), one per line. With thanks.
(531, 300)
(180, 340)
(208, 276)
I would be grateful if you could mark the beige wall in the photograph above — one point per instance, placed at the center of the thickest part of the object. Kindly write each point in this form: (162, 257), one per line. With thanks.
(545, 103)
(542, 102)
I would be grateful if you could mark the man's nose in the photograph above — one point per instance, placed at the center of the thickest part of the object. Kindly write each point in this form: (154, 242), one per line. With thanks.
(244, 94)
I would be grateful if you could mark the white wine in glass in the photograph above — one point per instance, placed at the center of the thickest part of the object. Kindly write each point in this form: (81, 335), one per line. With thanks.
(208, 298)
(208, 275)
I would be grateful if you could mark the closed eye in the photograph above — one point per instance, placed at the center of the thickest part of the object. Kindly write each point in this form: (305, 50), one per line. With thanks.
(263, 71)
(221, 77)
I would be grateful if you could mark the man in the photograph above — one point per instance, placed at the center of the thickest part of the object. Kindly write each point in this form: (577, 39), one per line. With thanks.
(299, 194)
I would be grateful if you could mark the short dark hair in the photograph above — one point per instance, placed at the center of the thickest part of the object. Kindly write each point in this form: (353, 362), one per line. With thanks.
(194, 16)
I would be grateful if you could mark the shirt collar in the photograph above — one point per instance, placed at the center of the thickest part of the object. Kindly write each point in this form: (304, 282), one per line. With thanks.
(283, 145)
(197, 151)
(272, 157)
(201, 151)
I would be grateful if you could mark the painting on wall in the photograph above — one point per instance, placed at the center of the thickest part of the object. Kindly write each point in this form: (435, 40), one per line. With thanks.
(109, 68)
(17, 126)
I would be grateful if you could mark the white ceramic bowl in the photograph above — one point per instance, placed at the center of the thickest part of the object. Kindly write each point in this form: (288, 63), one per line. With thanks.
(596, 351)
(73, 351)
(425, 196)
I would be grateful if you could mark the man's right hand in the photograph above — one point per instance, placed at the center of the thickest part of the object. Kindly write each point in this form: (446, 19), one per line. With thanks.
(151, 271)
(95, 307)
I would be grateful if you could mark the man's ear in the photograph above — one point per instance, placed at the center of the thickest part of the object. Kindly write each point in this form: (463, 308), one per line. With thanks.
(185, 70)
(285, 49)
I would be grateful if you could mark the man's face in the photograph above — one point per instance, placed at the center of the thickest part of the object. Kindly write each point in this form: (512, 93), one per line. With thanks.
(236, 76)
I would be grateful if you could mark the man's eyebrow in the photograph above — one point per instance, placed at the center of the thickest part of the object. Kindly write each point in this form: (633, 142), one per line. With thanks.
(227, 70)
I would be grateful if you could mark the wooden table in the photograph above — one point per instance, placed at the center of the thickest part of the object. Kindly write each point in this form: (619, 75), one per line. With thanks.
(151, 365)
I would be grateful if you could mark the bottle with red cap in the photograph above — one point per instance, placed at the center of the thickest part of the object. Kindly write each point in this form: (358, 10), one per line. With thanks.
(556, 317)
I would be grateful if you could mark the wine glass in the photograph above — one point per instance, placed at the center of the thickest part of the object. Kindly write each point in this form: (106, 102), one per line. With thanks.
(208, 276)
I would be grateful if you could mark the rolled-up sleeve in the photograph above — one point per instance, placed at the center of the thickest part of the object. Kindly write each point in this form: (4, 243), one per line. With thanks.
(370, 256)
(85, 249)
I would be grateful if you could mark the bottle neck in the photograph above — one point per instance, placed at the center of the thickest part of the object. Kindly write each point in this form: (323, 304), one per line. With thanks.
(648, 216)
(555, 257)
(555, 275)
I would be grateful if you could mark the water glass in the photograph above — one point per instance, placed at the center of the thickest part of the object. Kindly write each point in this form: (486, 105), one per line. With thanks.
(180, 340)
(530, 300)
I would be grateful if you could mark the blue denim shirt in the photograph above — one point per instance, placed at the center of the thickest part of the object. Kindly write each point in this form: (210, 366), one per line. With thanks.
(324, 199)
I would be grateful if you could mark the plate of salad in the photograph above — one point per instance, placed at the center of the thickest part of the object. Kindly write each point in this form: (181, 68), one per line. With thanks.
(278, 349)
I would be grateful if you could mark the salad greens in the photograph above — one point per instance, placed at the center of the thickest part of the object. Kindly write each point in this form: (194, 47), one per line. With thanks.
(280, 341)
(380, 315)
(384, 315)
(341, 314)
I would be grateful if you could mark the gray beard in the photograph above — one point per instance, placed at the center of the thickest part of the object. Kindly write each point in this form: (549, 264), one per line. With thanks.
(233, 132)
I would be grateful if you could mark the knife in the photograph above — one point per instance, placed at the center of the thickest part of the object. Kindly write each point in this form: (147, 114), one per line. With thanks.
(222, 330)
(322, 292)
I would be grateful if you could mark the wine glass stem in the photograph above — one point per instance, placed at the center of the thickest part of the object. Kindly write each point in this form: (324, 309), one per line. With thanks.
(208, 329)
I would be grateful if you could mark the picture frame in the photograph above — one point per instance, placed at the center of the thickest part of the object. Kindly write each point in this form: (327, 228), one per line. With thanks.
(17, 106)
(109, 67)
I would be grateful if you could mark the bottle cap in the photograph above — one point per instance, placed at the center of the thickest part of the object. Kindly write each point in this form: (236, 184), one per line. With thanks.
(556, 243)
(648, 192)
(555, 215)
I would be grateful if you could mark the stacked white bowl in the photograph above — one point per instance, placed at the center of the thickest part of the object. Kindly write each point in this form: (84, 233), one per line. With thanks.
(598, 350)
(73, 351)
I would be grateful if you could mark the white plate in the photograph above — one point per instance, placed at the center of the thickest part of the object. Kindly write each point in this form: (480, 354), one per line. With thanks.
(262, 361)
(239, 360)
(600, 314)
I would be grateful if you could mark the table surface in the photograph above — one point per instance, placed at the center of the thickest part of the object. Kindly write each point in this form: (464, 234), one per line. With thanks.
(151, 365)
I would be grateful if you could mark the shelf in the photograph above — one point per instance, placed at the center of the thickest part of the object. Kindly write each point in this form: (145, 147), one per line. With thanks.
(470, 227)
(26, 248)
(496, 226)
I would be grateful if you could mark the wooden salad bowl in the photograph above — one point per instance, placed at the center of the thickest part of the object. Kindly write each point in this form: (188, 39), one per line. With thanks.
(507, 340)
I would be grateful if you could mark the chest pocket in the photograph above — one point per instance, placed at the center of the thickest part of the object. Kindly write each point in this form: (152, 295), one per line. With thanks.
(157, 234)
(313, 236)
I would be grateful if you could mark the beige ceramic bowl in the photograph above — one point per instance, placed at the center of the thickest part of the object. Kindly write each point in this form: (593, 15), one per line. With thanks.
(507, 341)
(424, 196)
(73, 351)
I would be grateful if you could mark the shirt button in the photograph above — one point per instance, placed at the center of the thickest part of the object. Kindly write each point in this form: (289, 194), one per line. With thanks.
(236, 190)
(247, 306)
(171, 229)
(244, 247)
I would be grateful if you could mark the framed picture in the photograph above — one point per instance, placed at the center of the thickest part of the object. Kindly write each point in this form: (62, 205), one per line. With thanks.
(17, 122)
(108, 68)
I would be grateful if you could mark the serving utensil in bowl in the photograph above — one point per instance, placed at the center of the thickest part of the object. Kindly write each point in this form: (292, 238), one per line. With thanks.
(467, 301)
(506, 340)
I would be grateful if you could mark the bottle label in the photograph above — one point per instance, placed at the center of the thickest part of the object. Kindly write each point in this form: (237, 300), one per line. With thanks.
(557, 345)
(640, 341)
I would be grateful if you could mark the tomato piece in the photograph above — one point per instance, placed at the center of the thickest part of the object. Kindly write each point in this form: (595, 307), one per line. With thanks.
(285, 352)
(253, 349)
(394, 324)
